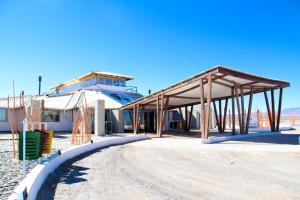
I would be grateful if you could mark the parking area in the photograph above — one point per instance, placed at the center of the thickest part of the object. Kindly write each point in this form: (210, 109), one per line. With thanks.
(183, 168)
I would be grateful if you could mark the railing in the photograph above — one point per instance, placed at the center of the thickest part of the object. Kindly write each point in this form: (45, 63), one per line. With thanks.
(131, 89)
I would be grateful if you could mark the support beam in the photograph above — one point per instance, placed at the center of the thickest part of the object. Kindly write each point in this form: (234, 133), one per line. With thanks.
(216, 116)
(202, 116)
(207, 117)
(279, 109)
(220, 116)
(225, 114)
(243, 110)
(268, 109)
(273, 111)
(165, 110)
(134, 120)
(190, 118)
(249, 111)
(157, 116)
(181, 117)
(238, 107)
(137, 119)
(186, 119)
(233, 111)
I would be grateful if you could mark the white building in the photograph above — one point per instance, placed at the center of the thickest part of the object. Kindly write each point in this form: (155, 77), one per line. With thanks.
(104, 92)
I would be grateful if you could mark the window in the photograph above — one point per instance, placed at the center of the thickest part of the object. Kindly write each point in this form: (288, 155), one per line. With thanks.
(101, 81)
(108, 81)
(123, 83)
(51, 116)
(3, 115)
(116, 83)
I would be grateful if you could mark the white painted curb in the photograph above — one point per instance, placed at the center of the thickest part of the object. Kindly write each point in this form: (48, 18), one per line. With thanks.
(235, 137)
(35, 179)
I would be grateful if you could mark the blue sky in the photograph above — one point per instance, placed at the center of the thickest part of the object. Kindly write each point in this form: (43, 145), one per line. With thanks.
(62, 39)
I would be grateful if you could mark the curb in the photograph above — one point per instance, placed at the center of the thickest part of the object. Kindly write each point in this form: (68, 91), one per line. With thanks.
(30, 186)
(235, 137)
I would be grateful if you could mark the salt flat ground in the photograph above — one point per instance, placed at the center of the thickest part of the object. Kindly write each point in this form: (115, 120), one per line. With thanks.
(183, 168)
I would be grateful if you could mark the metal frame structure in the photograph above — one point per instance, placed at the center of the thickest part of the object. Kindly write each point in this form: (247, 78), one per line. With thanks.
(214, 85)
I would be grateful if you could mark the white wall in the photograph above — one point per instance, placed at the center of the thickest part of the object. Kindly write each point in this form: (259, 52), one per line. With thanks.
(65, 123)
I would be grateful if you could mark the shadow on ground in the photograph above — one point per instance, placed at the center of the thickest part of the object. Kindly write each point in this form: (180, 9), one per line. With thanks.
(288, 139)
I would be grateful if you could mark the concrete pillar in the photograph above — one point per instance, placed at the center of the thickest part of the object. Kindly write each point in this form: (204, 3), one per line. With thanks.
(99, 118)
(118, 121)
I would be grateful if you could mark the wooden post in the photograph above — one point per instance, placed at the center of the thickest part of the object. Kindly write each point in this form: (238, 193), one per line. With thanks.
(190, 118)
(273, 110)
(216, 116)
(233, 111)
(165, 110)
(238, 107)
(181, 117)
(186, 119)
(268, 109)
(279, 109)
(157, 116)
(134, 119)
(161, 114)
(220, 116)
(137, 119)
(225, 114)
(202, 116)
(249, 111)
(243, 109)
(207, 117)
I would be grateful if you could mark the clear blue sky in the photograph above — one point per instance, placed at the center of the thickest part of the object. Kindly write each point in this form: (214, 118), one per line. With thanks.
(61, 39)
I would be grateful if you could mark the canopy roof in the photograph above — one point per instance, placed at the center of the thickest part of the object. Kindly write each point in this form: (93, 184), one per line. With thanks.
(187, 92)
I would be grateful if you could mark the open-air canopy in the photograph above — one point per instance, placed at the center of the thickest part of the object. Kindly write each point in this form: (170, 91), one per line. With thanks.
(214, 85)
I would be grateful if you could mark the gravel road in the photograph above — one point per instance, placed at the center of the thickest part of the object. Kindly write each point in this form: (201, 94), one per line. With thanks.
(11, 171)
(181, 168)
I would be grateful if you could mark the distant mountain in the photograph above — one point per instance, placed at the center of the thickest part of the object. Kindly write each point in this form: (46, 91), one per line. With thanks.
(291, 111)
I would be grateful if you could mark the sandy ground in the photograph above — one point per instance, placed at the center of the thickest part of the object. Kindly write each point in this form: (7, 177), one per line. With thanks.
(183, 168)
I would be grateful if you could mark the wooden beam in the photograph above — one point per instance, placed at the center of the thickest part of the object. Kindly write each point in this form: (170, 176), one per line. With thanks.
(220, 116)
(157, 116)
(243, 110)
(238, 107)
(202, 116)
(279, 109)
(216, 116)
(161, 114)
(249, 112)
(137, 118)
(183, 97)
(186, 118)
(207, 117)
(164, 114)
(181, 117)
(273, 110)
(225, 114)
(251, 77)
(134, 120)
(268, 109)
(233, 111)
(190, 118)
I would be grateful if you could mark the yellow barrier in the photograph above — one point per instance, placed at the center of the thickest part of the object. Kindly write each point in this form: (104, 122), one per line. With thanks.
(46, 137)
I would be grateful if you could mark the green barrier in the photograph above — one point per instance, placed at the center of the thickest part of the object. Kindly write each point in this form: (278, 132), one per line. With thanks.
(32, 145)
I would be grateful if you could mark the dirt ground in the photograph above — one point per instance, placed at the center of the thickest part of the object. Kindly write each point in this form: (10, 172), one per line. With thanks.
(183, 168)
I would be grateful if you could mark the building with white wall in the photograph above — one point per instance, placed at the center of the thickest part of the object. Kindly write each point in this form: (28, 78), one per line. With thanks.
(103, 92)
